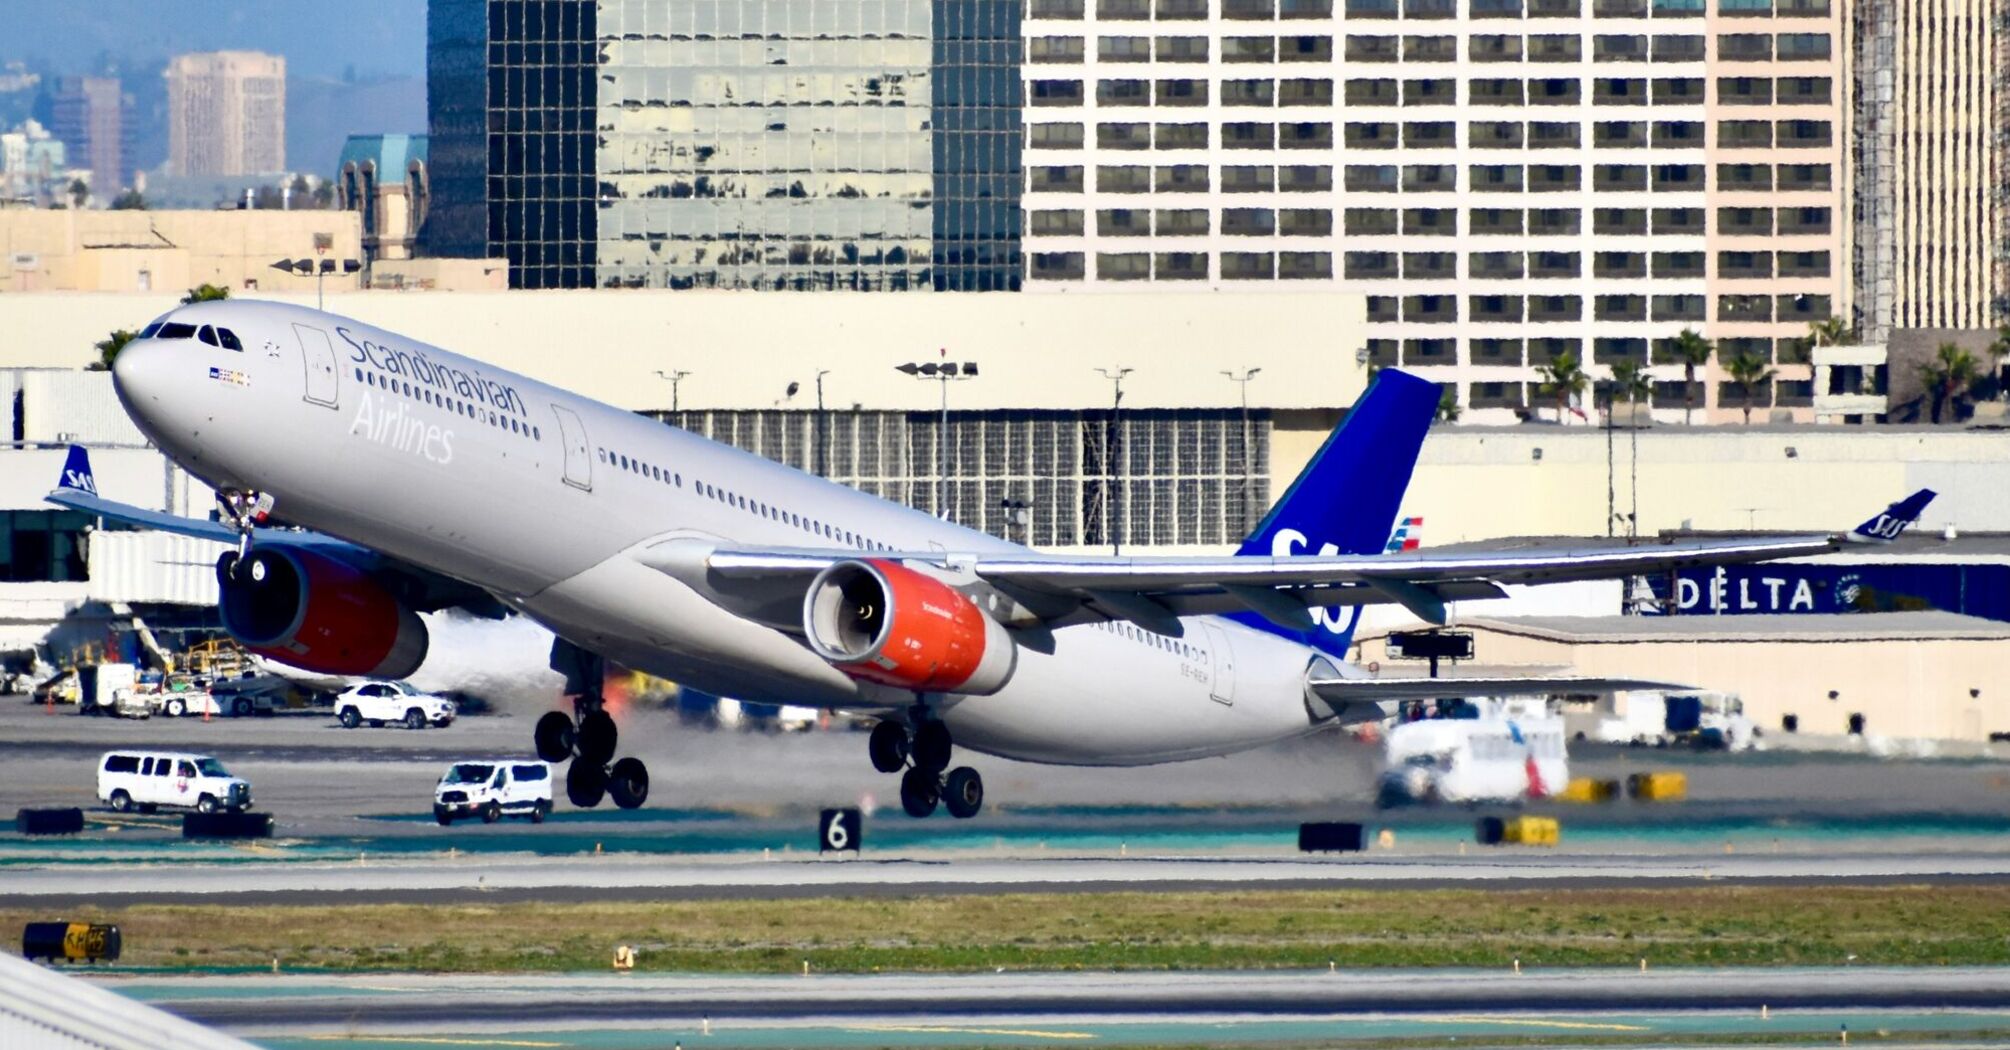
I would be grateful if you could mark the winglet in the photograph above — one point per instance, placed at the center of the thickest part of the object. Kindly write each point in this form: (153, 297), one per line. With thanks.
(77, 475)
(1887, 526)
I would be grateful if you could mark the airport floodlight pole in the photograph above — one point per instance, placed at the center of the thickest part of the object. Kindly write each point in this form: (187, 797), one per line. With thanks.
(943, 373)
(1242, 381)
(822, 465)
(1112, 478)
(320, 268)
(676, 378)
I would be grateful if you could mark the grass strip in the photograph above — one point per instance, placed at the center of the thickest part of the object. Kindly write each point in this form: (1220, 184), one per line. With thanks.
(1253, 929)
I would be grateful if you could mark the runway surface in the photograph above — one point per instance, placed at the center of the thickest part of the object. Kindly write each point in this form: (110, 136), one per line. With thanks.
(1021, 1009)
(625, 877)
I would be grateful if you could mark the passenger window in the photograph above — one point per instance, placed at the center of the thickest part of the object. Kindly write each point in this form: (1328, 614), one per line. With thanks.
(161, 766)
(229, 340)
(208, 335)
(185, 769)
(527, 774)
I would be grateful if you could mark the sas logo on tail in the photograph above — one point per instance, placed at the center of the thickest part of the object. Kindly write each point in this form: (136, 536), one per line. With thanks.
(1408, 536)
(81, 480)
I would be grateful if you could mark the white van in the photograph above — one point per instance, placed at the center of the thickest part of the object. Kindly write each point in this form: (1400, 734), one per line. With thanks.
(492, 789)
(143, 780)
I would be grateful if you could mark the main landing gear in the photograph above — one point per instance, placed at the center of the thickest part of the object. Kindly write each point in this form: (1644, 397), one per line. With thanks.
(590, 741)
(924, 756)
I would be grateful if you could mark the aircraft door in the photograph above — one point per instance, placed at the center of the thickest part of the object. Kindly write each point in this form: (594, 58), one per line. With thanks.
(1221, 684)
(578, 456)
(317, 353)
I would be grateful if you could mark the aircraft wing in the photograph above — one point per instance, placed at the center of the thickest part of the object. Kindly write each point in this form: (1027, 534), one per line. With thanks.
(1150, 590)
(424, 590)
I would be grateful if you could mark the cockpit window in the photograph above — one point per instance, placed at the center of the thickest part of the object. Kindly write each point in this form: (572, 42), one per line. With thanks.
(208, 335)
(230, 341)
(148, 331)
(174, 330)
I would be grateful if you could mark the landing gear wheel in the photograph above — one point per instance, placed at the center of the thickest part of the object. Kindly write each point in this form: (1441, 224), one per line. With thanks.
(888, 747)
(586, 784)
(628, 782)
(963, 793)
(555, 737)
(920, 790)
(931, 747)
(597, 737)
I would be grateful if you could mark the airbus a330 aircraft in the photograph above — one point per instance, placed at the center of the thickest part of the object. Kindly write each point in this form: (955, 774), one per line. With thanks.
(408, 479)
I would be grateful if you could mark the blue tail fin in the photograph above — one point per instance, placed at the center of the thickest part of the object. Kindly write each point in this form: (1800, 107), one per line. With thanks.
(77, 472)
(1886, 527)
(1347, 497)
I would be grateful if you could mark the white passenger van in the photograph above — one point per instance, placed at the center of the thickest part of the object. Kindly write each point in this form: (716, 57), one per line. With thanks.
(492, 789)
(143, 780)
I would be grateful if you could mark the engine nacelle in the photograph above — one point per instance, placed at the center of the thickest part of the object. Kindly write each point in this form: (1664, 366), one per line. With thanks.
(883, 622)
(317, 614)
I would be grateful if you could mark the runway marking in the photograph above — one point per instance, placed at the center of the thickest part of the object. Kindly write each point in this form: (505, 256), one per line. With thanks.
(429, 1040)
(1526, 1023)
(961, 1030)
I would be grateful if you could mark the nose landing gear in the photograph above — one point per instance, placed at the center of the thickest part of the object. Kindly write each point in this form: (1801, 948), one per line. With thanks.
(923, 786)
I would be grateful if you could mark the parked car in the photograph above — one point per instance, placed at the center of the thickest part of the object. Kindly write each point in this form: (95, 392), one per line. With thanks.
(381, 702)
(492, 790)
(143, 780)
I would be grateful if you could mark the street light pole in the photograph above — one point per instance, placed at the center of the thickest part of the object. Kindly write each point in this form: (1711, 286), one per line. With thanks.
(942, 373)
(823, 466)
(1112, 479)
(1242, 381)
(677, 378)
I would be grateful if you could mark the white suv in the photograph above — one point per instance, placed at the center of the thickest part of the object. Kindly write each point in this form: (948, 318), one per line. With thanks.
(490, 790)
(142, 780)
(381, 702)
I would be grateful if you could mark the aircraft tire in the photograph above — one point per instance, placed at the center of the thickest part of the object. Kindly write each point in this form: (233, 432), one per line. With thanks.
(888, 747)
(628, 782)
(963, 793)
(920, 791)
(555, 737)
(931, 747)
(586, 783)
(597, 737)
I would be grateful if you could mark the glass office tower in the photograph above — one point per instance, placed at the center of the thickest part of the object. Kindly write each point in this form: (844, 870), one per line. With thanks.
(769, 144)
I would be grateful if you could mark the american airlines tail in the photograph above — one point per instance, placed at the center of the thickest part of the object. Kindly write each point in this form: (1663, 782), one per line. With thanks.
(1347, 498)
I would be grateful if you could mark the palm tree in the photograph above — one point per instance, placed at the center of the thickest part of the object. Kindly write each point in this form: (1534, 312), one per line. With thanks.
(1750, 372)
(204, 294)
(1693, 352)
(1948, 376)
(1629, 380)
(109, 347)
(1831, 331)
(1563, 378)
(79, 193)
(1448, 405)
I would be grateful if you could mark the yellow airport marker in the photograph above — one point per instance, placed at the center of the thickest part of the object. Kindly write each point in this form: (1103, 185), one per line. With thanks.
(1023, 1033)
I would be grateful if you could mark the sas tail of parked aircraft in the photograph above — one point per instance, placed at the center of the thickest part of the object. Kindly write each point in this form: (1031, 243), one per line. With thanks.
(1886, 527)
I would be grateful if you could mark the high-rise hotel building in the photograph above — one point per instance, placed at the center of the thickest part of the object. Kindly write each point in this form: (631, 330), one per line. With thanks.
(1507, 180)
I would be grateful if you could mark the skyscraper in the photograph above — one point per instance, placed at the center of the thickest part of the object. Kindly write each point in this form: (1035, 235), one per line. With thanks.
(780, 144)
(89, 117)
(226, 113)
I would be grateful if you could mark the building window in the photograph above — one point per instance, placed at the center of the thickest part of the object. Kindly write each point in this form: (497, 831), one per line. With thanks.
(1248, 222)
(1123, 136)
(1123, 179)
(1181, 178)
(1619, 264)
(1678, 308)
(1055, 92)
(1042, 49)
(1248, 93)
(1123, 266)
(1494, 265)
(1248, 135)
(1619, 134)
(1180, 266)
(1678, 264)
(1123, 49)
(1305, 136)
(1053, 266)
(1619, 308)
(1431, 222)
(1065, 178)
(1248, 179)
(1495, 309)
(1055, 223)
(1181, 222)
(1181, 92)
(1619, 222)
(1123, 222)
(1180, 136)
(1304, 266)
(1055, 136)
(1369, 266)
(1678, 221)
(1249, 49)
(1678, 91)
(1248, 266)
(1555, 308)
(1370, 222)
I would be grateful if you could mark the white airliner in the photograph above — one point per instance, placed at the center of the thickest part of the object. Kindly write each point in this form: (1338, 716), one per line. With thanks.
(403, 478)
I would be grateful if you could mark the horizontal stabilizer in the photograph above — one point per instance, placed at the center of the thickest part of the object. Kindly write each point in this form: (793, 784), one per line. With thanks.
(1339, 692)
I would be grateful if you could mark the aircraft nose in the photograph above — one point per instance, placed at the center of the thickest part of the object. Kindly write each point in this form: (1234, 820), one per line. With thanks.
(139, 370)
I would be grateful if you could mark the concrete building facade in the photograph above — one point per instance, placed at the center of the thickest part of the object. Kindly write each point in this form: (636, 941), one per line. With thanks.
(1930, 205)
(161, 253)
(1507, 181)
(226, 113)
(385, 179)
